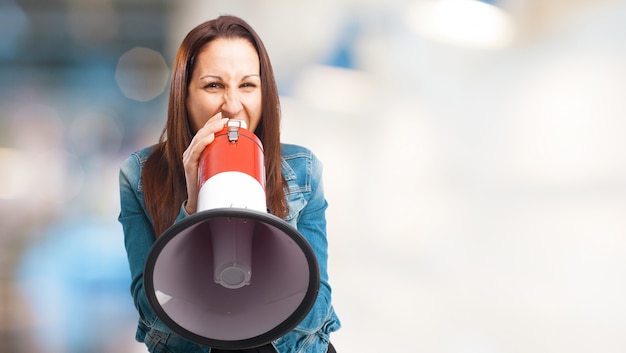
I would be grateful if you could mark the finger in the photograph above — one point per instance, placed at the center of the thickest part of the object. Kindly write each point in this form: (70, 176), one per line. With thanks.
(217, 119)
(215, 125)
(197, 145)
(203, 137)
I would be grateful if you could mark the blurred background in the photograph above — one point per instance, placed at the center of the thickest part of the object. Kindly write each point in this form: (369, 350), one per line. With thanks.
(473, 150)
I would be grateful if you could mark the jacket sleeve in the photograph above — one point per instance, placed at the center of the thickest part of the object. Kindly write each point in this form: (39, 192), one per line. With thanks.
(311, 223)
(138, 236)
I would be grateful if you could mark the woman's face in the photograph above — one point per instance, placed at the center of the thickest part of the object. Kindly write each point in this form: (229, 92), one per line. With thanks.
(226, 79)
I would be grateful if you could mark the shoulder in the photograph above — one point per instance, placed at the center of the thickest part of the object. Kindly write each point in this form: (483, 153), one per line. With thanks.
(132, 167)
(300, 167)
(299, 156)
(294, 151)
(136, 161)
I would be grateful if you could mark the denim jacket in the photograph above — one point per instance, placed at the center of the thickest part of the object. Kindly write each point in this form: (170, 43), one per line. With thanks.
(307, 207)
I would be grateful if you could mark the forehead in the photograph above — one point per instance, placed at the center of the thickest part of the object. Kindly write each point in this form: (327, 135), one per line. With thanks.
(233, 51)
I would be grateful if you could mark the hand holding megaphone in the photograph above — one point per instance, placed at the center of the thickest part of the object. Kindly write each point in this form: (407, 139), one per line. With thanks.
(191, 157)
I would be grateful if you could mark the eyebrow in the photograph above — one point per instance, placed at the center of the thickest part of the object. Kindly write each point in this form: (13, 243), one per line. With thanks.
(221, 79)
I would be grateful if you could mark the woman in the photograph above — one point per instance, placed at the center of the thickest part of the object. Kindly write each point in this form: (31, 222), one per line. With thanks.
(221, 71)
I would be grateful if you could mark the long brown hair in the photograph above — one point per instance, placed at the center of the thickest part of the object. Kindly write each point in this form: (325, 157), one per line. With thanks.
(163, 174)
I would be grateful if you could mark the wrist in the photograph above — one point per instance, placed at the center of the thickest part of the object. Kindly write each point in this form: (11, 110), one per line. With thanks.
(189, 208)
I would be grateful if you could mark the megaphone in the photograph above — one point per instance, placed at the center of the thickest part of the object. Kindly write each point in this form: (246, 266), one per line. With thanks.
(232, 275)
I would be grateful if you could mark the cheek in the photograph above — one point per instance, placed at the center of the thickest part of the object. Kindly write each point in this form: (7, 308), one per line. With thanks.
(193, 114)
(257, 110)
(255, 116)
(199, 112)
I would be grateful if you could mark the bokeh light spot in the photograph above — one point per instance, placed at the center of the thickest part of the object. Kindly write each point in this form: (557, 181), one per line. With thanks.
(141, 74)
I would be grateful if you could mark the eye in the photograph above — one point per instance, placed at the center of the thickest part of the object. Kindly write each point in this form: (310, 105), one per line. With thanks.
(212, 85)
(248, 85)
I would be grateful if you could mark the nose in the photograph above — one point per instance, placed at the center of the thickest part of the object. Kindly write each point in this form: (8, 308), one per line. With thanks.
(232, 103)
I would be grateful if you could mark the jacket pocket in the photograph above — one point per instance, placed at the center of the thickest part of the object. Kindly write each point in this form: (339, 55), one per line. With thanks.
(155, 341)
